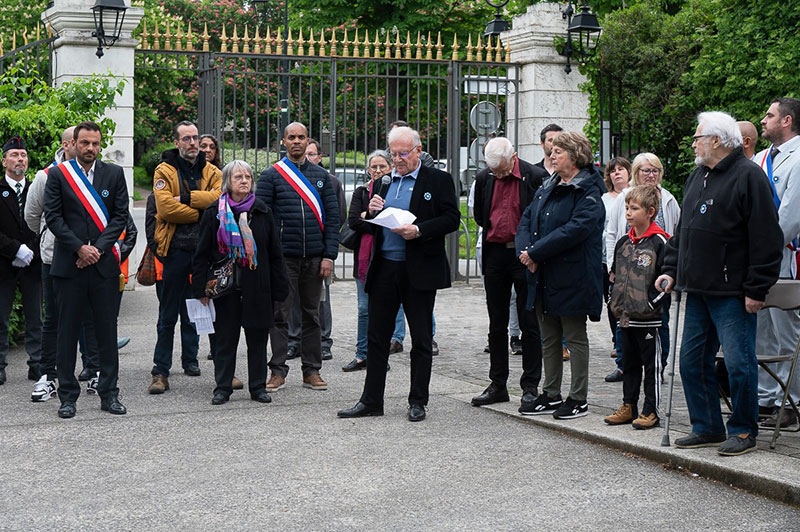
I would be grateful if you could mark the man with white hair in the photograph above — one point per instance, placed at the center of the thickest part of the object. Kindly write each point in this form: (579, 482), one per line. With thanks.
(407, 266)
(725, 255)
(502, 192)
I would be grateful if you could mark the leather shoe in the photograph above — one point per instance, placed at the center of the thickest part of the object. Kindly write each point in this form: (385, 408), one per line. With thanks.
(67, 410)
(492, 394)
(192, 370)
(122, 342)
(219, 398)
(416, 413)
(327, 355)
(360, 410)
(262, 397)
(86, 374)
(395, 347)
(434, 348)
(112, 405)
(355, 365)
(292, 352)
(614, 376)
(788, 418)
(2, 375)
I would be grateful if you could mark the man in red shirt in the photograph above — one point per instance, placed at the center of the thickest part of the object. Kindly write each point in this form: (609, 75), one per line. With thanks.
(502, 192)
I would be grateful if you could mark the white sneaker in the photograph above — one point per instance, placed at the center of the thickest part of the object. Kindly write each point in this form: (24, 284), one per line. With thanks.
(43, 390)
(91, 384)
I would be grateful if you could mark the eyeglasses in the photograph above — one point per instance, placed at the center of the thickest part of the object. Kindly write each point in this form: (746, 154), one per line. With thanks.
(649, 171)
(402, 154)
(312, 154)
(190, 138)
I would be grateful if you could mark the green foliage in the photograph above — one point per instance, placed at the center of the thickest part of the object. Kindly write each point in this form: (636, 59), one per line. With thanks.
(151, 159)
(141, 178)
(19, 16)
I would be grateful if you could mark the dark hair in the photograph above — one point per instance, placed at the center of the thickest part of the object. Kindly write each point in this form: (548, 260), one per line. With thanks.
(398, 123)
(88, 126)
(217, 160)
(316, 144)
(181, 124)
(612, 164)
(547, 129)
(577, 146)
(790, 107)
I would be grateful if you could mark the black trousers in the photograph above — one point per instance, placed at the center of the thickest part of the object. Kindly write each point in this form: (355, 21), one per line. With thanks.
(88, 293)
(389, 289)
(30, 287)
(227, 329)
(501, 270)
(641, 348)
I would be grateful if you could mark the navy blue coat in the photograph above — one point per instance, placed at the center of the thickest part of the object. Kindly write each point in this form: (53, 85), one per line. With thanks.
(299, 230)
(562, 231)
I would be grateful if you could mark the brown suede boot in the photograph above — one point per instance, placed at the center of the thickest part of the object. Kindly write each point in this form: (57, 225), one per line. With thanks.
(624, 414)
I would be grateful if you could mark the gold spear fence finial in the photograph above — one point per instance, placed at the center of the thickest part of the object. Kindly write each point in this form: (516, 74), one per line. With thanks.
(419, 47)
(345, 45)
(311, 43)
(223, 39)
(356, 44)
(143, 44)
(246, 47)
(455, 48)
(268, 42)
(205, 36)
(439, 47)
(190, 38)
(322, 43)
(257, 42)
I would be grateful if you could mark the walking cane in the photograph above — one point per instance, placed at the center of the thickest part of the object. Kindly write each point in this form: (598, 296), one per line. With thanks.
(672, 356)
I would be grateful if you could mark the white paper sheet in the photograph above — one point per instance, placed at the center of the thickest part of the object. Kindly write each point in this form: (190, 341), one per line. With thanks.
(392, 218)
(203, 316)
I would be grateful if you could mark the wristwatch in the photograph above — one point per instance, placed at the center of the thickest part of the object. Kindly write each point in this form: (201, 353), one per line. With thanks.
(419, 233)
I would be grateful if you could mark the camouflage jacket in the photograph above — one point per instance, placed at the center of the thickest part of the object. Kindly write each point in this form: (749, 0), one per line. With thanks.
(634, 298)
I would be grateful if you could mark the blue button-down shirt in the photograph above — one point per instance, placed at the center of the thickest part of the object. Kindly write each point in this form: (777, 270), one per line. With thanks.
(399, 196)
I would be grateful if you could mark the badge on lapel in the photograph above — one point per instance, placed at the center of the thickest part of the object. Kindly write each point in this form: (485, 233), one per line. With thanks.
(427, 196)
(320, 183)
(703, 208)
(104, 193)
(5, 193)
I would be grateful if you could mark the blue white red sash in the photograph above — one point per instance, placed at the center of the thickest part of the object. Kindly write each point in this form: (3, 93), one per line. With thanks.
(303, 187)
(88, 196)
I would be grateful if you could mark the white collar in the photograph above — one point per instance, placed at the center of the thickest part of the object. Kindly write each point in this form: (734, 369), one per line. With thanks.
(13, 184)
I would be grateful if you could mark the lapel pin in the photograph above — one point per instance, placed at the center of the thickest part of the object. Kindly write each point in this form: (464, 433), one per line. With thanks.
(427, 196)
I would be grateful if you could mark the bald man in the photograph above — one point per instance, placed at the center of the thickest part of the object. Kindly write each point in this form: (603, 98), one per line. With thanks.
(749, 138)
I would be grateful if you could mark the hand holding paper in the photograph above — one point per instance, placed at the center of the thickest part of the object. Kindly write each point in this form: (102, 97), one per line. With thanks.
(392, 218)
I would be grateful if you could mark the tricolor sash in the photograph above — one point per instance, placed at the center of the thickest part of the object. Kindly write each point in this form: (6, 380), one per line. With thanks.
(303, 187)
(88, 196)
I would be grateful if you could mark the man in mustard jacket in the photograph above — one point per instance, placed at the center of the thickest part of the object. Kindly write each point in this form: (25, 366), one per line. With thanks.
(184, 184)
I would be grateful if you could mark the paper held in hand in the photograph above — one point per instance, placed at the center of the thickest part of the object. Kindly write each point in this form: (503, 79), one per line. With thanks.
(202, 316)
(392, 218)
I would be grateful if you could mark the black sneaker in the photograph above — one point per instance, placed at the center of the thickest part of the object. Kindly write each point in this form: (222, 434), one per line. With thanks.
(571, 409)
(516, 345)
(542, 405)
(734, 446)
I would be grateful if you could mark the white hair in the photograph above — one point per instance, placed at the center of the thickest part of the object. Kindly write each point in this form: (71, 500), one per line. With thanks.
(230, 168)
(722, 125)
(401, 132)
(497, 151)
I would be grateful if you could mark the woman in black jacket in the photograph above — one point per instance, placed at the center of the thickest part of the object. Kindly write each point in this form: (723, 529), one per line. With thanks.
(559, 240)
(378, 164)
(241, 227)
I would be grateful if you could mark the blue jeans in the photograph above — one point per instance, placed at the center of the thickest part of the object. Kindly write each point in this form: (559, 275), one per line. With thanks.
(736, 330)
(175, 290)
(399, 333)
(363, 321)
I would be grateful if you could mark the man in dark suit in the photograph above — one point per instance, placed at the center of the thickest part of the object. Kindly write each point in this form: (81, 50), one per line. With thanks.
(502, 192)
(407, 266)
(19, 258)
(86, 208)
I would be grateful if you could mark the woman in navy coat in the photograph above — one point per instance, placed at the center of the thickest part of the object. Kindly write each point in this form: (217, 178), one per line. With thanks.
(559, 240)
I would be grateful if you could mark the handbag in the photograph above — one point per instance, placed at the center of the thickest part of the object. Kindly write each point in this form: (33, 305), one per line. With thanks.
(348, 238)
(223, 279)
(146, 273)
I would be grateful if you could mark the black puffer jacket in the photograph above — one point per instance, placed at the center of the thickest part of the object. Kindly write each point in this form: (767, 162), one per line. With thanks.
(300, 232)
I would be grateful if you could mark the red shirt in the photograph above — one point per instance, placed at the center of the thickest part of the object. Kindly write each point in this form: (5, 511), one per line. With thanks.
(504, 213)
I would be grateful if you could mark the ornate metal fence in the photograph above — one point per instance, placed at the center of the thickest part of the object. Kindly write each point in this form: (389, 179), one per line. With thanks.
(30, 57)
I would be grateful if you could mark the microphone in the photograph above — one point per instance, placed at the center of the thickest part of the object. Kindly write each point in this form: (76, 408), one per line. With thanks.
(384, 188)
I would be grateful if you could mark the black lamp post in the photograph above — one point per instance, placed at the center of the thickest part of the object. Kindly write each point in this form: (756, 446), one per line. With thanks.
(580, 31)
(284, 103)
(497, 25)
(104, 12)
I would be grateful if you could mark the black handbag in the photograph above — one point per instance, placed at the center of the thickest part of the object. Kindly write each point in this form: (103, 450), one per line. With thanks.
(224, 279)
(349, 238)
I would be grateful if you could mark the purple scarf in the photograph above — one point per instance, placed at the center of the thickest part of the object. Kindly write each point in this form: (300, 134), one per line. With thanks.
(236, 239)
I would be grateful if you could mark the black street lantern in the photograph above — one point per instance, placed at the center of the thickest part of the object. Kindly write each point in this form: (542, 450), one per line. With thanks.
(497, 25)
(104, 12)
(581, 30)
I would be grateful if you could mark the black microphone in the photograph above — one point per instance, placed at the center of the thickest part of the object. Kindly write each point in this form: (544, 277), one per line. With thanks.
(384, 188)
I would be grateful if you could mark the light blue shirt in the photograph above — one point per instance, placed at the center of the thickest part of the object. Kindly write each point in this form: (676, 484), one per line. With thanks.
(399, 196)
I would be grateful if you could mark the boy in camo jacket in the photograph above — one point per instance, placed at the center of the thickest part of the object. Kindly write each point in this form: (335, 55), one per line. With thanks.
(638, 257)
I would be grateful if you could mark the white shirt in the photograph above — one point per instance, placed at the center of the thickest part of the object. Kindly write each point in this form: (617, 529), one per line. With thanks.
(90, 174)
(13, 184)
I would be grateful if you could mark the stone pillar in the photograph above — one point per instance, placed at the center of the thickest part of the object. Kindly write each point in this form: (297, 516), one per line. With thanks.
(74, 57)
(547, 94)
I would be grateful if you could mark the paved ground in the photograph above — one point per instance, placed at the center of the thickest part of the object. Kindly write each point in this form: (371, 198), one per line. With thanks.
(177, 463)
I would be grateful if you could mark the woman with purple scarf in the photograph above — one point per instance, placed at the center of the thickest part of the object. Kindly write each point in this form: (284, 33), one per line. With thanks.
(242, 228)
(378, 164)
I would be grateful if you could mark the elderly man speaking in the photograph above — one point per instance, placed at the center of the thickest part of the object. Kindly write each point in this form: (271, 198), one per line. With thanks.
(725, 254)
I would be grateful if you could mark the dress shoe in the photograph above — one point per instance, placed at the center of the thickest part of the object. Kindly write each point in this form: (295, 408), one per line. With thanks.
(395, 347)
(262, 397)
(192, 370)
(67, 410)
(492, 394)
(219, 399)
(360, 410)
(327, 355)
(355, 365)
(788, 418)
(416, 413)
(33, 374)
(112, 405)
(516, 345)
(434, 348)
(765, 412)
(2, 375)
(160, 384)
(614, 376)
(292, 352)
(236, 383)
(122, 342)
(85, 374)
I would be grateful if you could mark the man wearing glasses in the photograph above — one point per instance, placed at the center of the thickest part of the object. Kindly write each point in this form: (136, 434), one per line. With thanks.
(184, 184)
(407, 266)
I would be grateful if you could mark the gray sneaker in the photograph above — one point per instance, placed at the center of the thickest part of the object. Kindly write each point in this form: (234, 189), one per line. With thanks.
(43, 390)
(735, 445)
